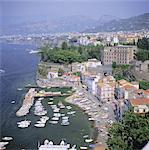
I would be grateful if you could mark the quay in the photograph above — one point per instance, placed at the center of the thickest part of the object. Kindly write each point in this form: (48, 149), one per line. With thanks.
(27, 103)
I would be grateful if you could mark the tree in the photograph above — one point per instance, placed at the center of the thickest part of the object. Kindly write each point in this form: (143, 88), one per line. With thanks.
(60, 72)
(131, 133)
(64, 46)
(114, 65)
(143, 43)
(142, 55)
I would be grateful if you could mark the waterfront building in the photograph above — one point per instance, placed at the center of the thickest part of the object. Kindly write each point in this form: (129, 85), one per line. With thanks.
(52, 75)
(106, 88)
(119, 54)
(50, 146)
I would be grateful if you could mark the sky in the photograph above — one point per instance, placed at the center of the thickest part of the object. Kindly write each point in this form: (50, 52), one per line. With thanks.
(28, 10)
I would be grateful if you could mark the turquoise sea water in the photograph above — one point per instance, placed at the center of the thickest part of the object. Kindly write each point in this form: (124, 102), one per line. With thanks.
(20, 70)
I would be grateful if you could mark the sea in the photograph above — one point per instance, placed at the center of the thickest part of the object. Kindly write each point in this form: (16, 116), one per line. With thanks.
(20, 70)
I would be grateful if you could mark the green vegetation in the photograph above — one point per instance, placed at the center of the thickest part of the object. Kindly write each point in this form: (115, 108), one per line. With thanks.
(42, 70)
(60, 72)
(122, 72)
(129, 134)
(68, 55)
(77, 74)
(143, 53)
(144, 85)
(143, 43)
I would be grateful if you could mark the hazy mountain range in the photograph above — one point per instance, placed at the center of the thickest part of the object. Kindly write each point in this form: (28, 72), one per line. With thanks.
(78, 24)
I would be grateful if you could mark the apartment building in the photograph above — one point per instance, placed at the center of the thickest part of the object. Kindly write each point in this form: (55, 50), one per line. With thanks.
(119, 54)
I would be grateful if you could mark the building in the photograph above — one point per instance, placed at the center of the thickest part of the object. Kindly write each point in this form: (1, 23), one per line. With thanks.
(50, 146)
(52, 75)
(106, 89)
(118, 54)
(125, 90)
(90, 80)
(140, 105)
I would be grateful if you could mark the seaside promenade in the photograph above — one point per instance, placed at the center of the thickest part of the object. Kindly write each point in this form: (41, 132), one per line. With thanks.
(101, 115)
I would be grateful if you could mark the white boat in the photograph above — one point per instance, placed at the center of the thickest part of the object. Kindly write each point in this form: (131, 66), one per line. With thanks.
(19, 89)
(85, 136)
(7, 138)
(83, 147)
(2, 145)
(53, 122)
(56, 110)
(57, 115)
(65, 123)
(40, 125)
(51, 98)
(65, 117)
(71, 112)
(50, 103)
(33, 52)
(12, 102)
(91, 119)
(2, 71)
(41, 98)
(24, 124)
(55, 118)
(62, 115)
(88, 140)
(68, 107)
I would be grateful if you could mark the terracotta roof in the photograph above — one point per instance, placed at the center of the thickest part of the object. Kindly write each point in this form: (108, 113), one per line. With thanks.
(139, 101)
(129, 87)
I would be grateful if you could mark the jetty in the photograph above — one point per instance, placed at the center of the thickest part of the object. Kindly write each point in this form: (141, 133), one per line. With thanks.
(27, 103)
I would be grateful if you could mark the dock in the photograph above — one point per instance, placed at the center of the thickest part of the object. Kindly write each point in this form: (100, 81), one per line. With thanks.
(27, 103)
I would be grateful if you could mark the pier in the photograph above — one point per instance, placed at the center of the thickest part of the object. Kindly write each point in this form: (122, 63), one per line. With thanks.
(27, 103)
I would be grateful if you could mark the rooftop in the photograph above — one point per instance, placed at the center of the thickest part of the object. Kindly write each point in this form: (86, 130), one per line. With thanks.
(139, 101)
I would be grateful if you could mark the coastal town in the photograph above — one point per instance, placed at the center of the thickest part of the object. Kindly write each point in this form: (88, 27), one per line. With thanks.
(95, 89)
(74, 75)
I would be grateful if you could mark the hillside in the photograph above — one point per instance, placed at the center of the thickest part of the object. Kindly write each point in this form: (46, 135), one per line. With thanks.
(131, 24)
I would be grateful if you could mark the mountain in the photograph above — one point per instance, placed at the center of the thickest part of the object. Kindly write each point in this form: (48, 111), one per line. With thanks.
(131, 24)
(59, 25)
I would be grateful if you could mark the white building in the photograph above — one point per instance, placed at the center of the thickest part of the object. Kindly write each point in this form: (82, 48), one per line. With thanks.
(52, 75)
(50, 146)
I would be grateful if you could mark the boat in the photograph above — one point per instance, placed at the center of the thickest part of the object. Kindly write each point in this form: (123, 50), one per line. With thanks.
(53, 122)
(85, 136)
(88, 140)
(91, 119)
(12, 102)
(7, 138)
(40, 125)
(83, 147)
(2, 71)
(19, 89)
(71, 112)
(50, 103)
(2, 145)
(33, 52)
(24, 124)
(65, 118)
(68, 107)
(55, 118)
(56, 110)
(65, 123)
(57, 115)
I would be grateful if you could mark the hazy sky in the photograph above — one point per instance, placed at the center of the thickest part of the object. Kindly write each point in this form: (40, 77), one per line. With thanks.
(39, 9)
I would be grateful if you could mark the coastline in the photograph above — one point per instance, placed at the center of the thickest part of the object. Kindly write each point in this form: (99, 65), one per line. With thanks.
(74, 99)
